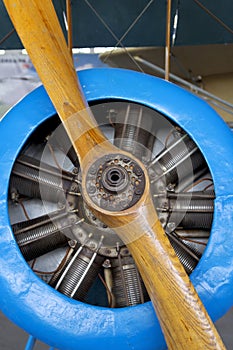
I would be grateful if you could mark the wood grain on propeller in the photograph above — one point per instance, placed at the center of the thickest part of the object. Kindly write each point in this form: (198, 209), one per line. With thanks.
(184, 320)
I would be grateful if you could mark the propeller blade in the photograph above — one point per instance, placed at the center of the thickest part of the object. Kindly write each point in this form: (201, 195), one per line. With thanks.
(38, 27)
(183, 318)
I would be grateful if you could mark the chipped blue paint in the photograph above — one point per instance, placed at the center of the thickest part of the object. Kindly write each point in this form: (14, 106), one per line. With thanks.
(68, 324)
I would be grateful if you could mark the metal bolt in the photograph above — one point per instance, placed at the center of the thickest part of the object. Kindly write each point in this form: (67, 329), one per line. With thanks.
(171, 226)
(137, 170)
(73, 188)
(103, 203)
(107, 262)
(72, 220)
(108, 157)
(93, 169)
(124, 251)
(72, 243)
(92, 245)
(138, 191)
(92, 189)
(75, 171)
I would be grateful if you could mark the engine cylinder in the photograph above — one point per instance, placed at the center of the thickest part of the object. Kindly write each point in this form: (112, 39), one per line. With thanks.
(133, 131)
(41, 235)
(180, 159)
(34, 179)
(128, 288)
(193, 211)
(78, 274)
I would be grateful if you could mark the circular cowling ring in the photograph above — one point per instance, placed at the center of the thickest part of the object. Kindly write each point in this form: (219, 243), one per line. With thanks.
(68, 324)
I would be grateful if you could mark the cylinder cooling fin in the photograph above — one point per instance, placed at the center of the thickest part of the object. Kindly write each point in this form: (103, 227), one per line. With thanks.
(66, 277)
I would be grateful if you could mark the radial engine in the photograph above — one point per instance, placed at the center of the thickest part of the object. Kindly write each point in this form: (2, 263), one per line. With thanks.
(67, 278)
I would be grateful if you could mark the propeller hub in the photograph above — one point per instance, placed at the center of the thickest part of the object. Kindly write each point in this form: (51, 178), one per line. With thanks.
(115, 182)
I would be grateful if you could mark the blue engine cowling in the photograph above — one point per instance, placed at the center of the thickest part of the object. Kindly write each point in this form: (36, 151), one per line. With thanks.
(70, 324)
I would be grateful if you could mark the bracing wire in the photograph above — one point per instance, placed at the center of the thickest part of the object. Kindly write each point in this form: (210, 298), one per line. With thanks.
(211, 14)
(113, 34)
(119, 42)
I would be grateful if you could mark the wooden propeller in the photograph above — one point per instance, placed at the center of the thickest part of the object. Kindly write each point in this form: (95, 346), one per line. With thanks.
(183, 318)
